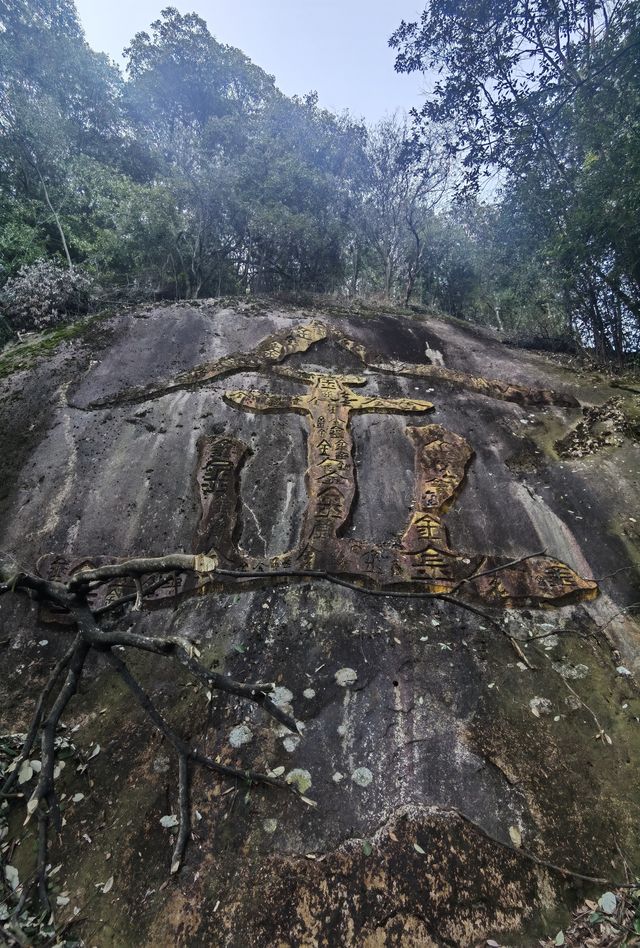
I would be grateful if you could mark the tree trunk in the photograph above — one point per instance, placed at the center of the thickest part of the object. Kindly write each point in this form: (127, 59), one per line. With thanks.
(57, 220)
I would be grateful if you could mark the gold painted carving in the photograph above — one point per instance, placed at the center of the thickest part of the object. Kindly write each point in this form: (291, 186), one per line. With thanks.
(302, 337)
(422, 557)
(425, 557)
(328, 405)
(217, 472)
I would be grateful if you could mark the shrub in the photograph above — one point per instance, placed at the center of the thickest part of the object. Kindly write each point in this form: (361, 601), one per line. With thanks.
(44, 294)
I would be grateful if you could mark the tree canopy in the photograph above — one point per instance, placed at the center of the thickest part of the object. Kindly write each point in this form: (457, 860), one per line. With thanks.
(510, 199)
(545, 95)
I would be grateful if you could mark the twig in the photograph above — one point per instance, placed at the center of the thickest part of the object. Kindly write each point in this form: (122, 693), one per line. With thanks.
(537, 860)
(37, 717)
(185, 754)
(623, 569)
(123, 600)
(43, 848)
(185, 816)
(519, 652)
(499, 569)
(137, 606)
(182, 649)
(396, 594)
(634, 605)
(249, 776)
(601, 732)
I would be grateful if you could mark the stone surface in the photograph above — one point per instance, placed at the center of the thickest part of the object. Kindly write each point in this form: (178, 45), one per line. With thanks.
(97, 462)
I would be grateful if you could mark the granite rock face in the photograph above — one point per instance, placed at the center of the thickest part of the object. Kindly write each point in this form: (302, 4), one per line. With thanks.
(452, 768)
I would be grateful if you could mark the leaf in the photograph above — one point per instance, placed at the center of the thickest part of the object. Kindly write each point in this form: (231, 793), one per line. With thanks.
(367, 848)
(608, 903)
(62, 900)
(12, 877)
(419, 849)
(516, 836)
(559, 939)
(94, 752)
(77, 797)
(240, 648)
(308, 800)
(175, 865)
(26, 772)
(169, 822)
(277, 772)
(108, 886)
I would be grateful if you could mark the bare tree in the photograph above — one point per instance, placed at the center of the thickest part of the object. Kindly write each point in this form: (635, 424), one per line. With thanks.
(401, 195)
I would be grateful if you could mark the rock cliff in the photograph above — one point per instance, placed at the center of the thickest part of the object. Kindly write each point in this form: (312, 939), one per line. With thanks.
(423, 541)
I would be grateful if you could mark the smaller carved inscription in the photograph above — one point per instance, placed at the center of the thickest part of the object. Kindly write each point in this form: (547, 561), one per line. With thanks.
(219, 463)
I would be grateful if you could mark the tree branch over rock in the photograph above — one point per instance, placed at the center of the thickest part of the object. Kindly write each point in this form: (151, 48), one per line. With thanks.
(64, 681)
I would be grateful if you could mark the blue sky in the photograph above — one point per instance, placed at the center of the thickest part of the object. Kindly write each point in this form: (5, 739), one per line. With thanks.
(337, 47)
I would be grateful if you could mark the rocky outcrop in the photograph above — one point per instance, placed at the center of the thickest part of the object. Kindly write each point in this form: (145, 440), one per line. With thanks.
(429, 585)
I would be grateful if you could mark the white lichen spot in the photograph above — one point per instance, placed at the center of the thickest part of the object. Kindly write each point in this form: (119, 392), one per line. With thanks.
(362, 776)
(240, 735)
(281, 696)
(337, 777)
(569, 671)
(161, 765)
(270, 826)
(290, 743)
(346, 676)
(573, 702)
(299, 778)
(309, 693)
(540, 706)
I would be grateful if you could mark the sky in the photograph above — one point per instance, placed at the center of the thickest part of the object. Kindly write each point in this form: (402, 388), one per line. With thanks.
(336, 47)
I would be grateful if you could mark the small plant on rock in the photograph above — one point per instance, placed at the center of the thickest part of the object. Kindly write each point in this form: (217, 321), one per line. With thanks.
(44, 294)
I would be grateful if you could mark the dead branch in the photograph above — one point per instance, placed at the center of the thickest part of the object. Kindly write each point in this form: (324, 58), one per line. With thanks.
(175, 562)
(91, 637)
(620, 612)
(32, 733)
(182, 562)
(72, 597)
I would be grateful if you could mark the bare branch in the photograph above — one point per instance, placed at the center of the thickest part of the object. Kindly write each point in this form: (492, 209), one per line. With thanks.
(180, 562)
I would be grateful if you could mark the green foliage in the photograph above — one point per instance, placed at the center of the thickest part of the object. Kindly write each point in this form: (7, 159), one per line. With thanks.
(546, 95)
(192, 175)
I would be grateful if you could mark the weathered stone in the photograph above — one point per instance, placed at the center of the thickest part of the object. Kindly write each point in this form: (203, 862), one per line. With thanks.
(439, 714)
